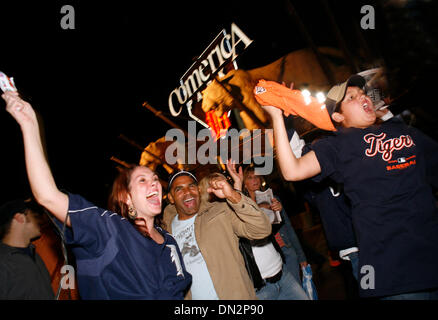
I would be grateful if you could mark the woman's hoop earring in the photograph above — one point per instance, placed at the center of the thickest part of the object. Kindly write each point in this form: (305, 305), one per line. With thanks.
(132, 213)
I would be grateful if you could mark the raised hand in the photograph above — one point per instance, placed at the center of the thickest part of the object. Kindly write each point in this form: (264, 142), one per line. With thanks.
(236, 175)
(220, 187)
(273, 111)
(40, 177)
(19, 109)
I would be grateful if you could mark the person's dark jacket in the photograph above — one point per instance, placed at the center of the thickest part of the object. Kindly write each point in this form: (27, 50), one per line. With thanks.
(23, 275)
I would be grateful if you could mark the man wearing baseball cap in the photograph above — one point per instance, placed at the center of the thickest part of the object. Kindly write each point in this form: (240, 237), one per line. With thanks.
(208, 235)
(23, 275)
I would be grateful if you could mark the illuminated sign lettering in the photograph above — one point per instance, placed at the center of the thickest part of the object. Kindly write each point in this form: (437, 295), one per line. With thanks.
(220, 52)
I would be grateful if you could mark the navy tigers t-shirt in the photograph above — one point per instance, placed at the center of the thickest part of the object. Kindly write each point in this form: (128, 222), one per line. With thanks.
(114, 261)
(385, 175)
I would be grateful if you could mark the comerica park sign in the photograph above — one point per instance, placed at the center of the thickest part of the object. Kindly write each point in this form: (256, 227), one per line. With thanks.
(221, 51)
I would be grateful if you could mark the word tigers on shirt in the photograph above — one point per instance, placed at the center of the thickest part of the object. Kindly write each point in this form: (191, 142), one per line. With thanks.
(386, 147)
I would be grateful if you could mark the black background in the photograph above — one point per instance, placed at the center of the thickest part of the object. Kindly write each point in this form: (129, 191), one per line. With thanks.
(88, 84)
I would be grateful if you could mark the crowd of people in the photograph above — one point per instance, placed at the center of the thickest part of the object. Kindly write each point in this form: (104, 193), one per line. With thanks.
(217, 240)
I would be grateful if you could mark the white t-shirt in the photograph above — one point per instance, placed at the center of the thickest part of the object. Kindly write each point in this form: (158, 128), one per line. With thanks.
(184, 233)
(268, 260)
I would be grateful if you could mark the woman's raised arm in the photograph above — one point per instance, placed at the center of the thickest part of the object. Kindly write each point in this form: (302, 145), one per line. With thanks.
(40, 177)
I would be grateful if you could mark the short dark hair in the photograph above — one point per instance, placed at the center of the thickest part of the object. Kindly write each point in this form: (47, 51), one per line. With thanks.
(10, 208)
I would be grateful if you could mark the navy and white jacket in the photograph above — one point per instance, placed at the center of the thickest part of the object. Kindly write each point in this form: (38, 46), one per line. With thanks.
(115, 261)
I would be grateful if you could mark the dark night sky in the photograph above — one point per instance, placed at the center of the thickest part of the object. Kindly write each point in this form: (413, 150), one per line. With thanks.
(88, 84)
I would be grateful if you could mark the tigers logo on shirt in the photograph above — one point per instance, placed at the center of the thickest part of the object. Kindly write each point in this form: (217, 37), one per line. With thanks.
(387, 147)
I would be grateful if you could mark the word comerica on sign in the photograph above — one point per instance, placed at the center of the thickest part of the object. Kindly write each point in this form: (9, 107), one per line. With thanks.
(220, 52)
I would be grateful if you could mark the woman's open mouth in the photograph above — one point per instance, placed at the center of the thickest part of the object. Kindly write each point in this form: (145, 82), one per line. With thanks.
(153, 198)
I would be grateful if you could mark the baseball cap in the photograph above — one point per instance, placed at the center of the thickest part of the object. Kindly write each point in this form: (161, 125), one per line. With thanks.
(177, 174)
(337, 93)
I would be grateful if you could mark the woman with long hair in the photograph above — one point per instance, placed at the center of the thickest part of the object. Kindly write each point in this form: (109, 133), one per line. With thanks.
(121, 253)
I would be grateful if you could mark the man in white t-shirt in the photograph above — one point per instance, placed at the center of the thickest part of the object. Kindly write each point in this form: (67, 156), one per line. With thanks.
(184, 233)
(208, 236)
